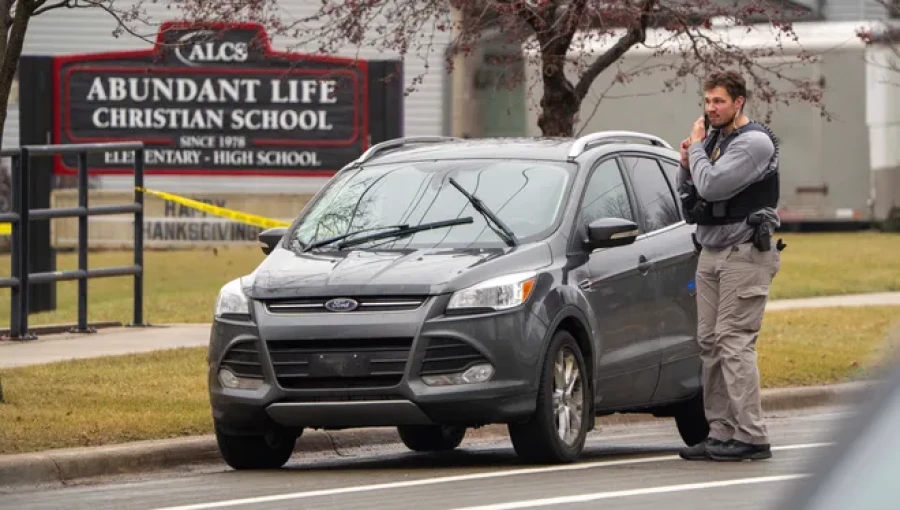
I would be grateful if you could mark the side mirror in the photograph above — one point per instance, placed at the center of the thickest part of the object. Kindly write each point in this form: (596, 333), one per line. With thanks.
(611, 232)
(269, 238)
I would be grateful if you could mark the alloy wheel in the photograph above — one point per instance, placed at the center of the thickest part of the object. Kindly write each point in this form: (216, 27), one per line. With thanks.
(568, 395)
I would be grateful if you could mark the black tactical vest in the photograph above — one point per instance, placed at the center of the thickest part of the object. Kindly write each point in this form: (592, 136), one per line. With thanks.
(760, 194)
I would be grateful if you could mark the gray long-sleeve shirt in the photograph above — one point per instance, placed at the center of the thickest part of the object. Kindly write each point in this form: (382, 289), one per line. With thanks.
(745, 160)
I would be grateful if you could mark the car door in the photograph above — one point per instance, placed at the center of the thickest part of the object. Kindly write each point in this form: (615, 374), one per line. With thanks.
(668, 246)
(618, 288)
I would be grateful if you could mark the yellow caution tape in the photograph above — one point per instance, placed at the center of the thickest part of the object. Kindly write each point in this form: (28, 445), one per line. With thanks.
(231, 214)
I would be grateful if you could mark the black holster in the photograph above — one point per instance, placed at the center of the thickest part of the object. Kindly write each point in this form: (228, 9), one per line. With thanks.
(762, 232)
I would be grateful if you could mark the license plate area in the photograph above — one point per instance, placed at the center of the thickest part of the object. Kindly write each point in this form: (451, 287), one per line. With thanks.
(340, 364)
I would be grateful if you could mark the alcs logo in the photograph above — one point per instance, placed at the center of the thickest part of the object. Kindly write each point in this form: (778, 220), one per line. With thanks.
(200, 47)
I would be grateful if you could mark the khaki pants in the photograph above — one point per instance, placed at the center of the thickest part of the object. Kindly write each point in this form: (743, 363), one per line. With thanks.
(732, 290)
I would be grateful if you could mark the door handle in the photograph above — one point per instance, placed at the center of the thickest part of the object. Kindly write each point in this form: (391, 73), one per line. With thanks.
(644, 265)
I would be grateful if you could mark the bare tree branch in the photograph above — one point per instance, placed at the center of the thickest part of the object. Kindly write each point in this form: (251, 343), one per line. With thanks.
(124, 17)
(41, 6)
(888, 38)
(636, 34)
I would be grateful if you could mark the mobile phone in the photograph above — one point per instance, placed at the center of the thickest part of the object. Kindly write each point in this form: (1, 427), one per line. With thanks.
(706, 121)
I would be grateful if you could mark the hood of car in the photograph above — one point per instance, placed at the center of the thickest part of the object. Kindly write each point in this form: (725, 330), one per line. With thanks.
(286, 274)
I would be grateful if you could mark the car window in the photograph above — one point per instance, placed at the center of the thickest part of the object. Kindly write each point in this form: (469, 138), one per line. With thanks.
(658, 207)
(606, 195)
(671, 169)
(526, 195)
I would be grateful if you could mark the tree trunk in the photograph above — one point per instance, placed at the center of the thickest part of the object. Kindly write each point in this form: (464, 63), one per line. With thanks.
(13, 50)
(560, 104)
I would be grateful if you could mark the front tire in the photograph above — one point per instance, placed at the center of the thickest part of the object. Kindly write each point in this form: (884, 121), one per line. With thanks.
(270, 451)
(431, 438)
(557, 430)
(690, 418)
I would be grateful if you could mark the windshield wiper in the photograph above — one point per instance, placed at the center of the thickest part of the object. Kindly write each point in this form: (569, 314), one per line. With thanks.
(341, 237)
(505, 232)
(405, 231)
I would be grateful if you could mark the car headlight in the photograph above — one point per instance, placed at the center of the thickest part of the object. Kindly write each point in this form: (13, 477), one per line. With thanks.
(500, 293)
(231, 302)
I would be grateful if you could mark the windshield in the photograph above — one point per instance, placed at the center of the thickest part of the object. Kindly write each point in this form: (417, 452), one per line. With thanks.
(526, 195)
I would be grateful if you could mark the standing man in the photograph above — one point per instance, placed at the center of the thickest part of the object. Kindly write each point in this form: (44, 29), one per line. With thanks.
(729, 187)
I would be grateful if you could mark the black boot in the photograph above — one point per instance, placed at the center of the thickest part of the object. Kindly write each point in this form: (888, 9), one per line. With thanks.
(699, 451)
(738, 450)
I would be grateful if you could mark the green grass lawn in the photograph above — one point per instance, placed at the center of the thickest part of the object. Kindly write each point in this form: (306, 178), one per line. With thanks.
(839, 263)
(181, 286)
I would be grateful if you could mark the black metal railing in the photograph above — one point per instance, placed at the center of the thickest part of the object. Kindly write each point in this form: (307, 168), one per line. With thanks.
(22, 215)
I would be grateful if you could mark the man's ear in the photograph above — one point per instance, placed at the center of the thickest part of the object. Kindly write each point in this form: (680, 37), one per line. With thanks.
(740, 104)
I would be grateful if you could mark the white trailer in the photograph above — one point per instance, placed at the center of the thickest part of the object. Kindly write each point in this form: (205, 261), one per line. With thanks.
(842, 170)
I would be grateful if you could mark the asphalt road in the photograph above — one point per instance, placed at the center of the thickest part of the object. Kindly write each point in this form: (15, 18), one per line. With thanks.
(624, 467)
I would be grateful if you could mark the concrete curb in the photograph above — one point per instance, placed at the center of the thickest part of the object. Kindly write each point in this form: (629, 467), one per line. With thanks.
(779, 399)
(59, 467)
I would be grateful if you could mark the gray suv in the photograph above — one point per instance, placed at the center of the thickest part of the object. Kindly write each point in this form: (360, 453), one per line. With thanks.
(437, 284)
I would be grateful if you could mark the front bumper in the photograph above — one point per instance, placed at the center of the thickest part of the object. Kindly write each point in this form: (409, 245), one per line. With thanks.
(361, 369)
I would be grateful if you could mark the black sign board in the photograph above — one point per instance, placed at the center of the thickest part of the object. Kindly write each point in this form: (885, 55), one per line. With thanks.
(214, 99)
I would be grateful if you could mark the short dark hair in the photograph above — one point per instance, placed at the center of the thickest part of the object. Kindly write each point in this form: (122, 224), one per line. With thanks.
(731, 81)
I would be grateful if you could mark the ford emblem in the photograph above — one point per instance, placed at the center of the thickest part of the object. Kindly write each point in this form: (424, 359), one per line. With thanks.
(341, 305)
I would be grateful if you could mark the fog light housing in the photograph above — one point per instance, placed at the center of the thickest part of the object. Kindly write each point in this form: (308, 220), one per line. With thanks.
(475, 374)
(231, 381)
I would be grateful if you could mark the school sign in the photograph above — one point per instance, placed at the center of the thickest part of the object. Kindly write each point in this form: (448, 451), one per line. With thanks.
(213, 99)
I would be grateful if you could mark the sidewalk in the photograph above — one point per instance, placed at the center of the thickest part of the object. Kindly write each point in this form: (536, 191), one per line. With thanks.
(121, 340)
(873, 299)
(105, 342)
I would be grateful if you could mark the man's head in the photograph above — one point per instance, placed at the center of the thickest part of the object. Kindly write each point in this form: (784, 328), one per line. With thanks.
(725, 96)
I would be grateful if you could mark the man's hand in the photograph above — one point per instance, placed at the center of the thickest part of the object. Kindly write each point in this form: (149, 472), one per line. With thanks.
(698, 132)
(684, 151)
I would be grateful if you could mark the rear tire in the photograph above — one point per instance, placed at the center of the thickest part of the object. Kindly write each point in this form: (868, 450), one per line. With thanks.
(563, 402)
(270, 451)
(431, 438)
(690, 418)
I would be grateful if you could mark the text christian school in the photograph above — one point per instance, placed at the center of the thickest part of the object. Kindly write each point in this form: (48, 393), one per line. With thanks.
(215, 99)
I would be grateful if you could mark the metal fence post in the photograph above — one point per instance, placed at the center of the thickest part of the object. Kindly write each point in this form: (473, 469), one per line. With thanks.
(24, 267)
(139, 237)
(15, 249)
(83, 245)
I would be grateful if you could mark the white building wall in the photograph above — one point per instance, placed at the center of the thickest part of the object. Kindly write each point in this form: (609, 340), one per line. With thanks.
(853, 10)
(70, 31)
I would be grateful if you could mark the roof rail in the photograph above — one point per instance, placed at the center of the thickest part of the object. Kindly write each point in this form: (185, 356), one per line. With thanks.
(582, 143)
(399, 142)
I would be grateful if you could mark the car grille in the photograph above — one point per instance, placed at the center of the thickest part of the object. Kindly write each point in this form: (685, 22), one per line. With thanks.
(449, 355)
(345, 398)
(366, 304)
(242, 359)
(339, 363)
